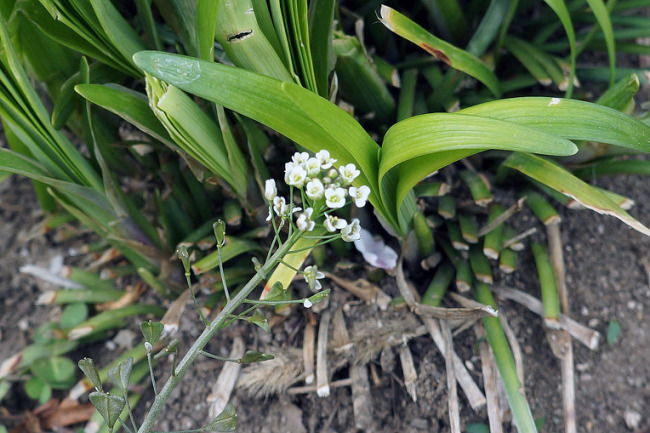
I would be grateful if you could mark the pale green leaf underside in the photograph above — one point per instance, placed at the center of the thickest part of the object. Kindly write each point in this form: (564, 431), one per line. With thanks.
(423, 144)
(571, 119)
(559, 179)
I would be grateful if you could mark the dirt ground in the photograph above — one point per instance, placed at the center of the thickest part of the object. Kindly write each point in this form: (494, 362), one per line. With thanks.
(606, 278)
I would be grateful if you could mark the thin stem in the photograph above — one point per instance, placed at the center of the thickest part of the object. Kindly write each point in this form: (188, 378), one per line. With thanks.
(153, 379)
(293, 301)
(128, 409)
(220, 358)
(126, 427)
(209, 332)
(223, 276)
(282, 262)
(196, 303)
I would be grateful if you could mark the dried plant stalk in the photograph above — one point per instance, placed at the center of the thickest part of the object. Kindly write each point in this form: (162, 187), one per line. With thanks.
(225, 383)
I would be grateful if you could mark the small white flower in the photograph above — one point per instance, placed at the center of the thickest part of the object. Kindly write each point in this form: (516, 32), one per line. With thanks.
(304, 221)
(351, 232)
(349, 173)
(312, 166)
(325, 161)
(300, 157)
(332, 173)
(312, 275)
(288, 168)
(359, 195)
(307, 303)
(297, 176)
(270, 190)
(315, 189)
(335, 197)
(333, 223)
(280, 206)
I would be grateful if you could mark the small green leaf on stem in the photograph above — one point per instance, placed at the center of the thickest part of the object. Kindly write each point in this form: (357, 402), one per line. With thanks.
(151, 331)
(252, 356)
(109, 406)
(258, 319)
(120, 375)
(318, 297)
(224, 422)
(276, 293)
(87, 365)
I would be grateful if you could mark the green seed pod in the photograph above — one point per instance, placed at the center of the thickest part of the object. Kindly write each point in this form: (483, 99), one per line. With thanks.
(219, 228)
(184, 257)
(87, 365)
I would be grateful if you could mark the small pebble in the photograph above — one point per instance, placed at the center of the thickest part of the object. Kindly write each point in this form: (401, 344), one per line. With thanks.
(23, 324)
(632, 419)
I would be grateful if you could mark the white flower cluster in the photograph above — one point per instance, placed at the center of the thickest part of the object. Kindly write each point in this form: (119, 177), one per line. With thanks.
(324, 189)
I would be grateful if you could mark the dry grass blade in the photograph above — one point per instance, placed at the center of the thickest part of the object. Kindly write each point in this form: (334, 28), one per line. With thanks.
(172, 317)
(502, 218)
(361, 398)
(408, 368)
(472, 313)
(473, 393)
(340, 340)
(309, 337)
(452, 394)
(557, 262)
(585, 335)
(515, 241)
(363, 289)
(489, 381)
(225, 383)
(322, 379)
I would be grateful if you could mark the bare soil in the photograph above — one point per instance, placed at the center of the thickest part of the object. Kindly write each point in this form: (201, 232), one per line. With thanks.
(607, 281)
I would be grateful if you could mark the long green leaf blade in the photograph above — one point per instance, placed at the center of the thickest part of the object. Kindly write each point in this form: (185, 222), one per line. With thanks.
(571, 119)
(559, 179)
(431, 140)
(451, 55)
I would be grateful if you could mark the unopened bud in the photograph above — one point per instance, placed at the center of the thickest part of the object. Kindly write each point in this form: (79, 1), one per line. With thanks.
(184, 258)
(219, 228)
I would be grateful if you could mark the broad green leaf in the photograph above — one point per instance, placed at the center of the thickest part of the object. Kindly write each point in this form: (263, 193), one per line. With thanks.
(37, 389)
(451, 55)
(181, 17)
(420, 145)
(568, 118)
(321, 16)
(117, 30)
(244, 41)
(556, 177)
(359, 82)
(128, 104)
(206, 19)
(295, 12)
(55, 370)
(295, 112)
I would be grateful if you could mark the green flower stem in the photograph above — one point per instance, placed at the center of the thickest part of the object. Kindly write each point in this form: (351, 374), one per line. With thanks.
(153, 378)
(209, 332)
(223, 277)
(196, 303)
